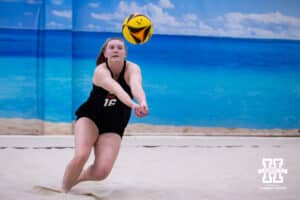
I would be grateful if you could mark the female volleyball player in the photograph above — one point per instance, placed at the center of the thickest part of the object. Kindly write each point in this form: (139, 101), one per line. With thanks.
(101, 120)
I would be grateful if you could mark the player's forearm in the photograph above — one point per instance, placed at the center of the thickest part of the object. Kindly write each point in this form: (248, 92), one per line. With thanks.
(123, 96)
(138, 93)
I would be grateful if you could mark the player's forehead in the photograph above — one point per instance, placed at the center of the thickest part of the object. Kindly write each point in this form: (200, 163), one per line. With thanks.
(115, 42)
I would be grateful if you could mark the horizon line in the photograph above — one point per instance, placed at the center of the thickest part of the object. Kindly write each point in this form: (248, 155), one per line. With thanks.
(158, 34)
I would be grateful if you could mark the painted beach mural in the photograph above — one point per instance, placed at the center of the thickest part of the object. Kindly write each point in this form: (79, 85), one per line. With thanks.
(207, 64)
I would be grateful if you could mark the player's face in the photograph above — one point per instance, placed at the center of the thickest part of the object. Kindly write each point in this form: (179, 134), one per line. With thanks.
(115, 50)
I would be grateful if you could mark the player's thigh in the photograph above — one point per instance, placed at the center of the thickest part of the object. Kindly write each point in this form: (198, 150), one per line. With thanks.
(107, 149)
(86, 134)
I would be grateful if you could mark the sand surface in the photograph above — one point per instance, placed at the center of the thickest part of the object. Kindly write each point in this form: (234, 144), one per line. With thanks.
(17, 126)
(153, 168)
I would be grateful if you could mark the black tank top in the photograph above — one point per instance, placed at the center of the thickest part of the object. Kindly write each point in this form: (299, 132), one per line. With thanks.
(107, 102)
(105, 109)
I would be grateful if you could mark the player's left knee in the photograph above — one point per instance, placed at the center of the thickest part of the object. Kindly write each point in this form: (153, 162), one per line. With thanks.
(102, 172)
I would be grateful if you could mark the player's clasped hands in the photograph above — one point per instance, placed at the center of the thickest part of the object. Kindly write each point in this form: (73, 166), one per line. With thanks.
(141, 110)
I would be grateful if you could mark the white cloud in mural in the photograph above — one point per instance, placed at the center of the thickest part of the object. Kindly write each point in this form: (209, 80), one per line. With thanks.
(164, 23)
(62, 13)
(234, 24)
(166, 4)
(93, 27)
(267, 25)
(267, 18)
(104, 17)
(190, 20)
(94, 5)
(128, 8)
(205, 29)
(22, 1)
(57, 2)
(53, 24)
(34, 1)
(160, 17)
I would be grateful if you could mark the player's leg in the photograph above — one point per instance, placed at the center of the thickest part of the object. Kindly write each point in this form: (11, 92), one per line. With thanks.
(106, 151)
(86, 134)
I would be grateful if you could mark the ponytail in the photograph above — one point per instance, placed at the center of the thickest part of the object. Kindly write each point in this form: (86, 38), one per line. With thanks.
(101, 59)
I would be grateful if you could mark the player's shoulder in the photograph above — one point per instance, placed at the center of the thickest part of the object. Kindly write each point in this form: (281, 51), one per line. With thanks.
(132, 66)
(101, 70)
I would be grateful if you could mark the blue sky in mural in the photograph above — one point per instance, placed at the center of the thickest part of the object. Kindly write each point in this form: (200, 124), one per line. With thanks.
(234, 18)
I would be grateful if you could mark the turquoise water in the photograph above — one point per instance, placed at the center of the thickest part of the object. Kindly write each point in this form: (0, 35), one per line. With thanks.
(198, 96)
(218, 82)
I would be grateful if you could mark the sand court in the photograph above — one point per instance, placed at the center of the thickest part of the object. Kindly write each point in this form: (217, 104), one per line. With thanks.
(152, 167)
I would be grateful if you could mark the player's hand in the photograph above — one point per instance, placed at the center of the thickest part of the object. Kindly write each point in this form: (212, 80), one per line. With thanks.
(142, 110)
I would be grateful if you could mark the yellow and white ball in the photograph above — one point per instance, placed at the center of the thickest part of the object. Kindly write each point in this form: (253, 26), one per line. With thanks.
(137, 28)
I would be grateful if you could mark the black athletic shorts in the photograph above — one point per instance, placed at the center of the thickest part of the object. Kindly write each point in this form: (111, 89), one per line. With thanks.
(109, 120)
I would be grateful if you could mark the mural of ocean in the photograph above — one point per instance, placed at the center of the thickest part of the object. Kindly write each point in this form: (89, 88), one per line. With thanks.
(189, 80)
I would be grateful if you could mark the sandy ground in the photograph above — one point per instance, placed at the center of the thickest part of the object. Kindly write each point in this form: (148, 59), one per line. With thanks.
(17, 126)
(153, 167)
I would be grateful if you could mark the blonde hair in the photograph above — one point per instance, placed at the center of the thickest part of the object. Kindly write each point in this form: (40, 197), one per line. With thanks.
(101, 58)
